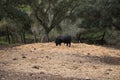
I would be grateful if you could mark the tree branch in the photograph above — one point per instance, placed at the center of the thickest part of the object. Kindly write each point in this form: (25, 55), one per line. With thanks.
(48, 7)
(62, 17)
(40, 20)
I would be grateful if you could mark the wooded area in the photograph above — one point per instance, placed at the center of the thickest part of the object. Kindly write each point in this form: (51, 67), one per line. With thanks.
(28, 21)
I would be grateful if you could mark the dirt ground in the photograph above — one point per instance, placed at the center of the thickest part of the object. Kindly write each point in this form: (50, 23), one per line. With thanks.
(46, 61)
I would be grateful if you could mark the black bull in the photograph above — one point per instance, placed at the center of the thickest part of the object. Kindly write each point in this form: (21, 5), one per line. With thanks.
(63, 39)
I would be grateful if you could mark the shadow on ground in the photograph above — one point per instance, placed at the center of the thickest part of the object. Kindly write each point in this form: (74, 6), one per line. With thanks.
(117, 47)
(9, 75)
(9, 46)
(110, 60)
(105, 59)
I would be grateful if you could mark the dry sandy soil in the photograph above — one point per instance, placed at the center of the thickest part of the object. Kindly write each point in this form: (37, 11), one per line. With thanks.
(45, 61)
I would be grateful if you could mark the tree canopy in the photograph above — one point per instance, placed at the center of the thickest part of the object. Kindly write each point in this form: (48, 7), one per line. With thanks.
(100, 13)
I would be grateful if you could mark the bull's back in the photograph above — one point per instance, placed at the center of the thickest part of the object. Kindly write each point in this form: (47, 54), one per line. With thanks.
(66, 38)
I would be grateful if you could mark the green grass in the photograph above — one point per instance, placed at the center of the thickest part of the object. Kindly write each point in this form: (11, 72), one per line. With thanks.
(3, 43)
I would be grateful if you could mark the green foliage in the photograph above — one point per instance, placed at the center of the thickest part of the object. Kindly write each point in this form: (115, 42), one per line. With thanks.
(92, 35)
(50, 13)
(100, 13)
(93, 14)
(12, 10)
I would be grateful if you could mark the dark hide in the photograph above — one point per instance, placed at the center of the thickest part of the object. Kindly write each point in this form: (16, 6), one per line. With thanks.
(63, 39)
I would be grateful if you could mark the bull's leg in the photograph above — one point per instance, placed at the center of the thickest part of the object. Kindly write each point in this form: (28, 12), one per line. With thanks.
(69, 44)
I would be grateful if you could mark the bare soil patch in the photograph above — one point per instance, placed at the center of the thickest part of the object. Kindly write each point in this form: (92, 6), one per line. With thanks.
(45, 61)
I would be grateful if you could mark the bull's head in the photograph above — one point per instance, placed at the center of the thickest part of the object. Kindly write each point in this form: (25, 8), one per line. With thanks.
(58, 42)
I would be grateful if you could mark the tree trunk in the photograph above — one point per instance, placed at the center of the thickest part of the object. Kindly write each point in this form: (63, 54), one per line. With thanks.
(45, 38)
(35, 38)
(23, 37)
(8, 35)
(24, 40)
(12, 38)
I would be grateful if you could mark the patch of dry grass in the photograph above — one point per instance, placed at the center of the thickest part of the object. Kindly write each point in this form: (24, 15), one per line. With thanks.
(79, 60)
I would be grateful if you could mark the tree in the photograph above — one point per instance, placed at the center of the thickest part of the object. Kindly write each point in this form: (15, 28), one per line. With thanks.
(50, 13)
(12, 9)
(100, 14)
